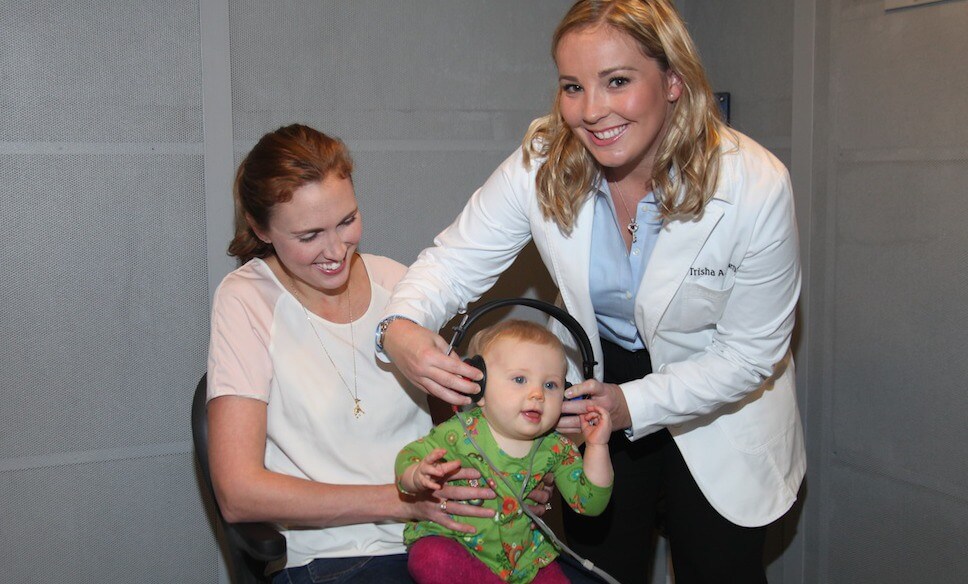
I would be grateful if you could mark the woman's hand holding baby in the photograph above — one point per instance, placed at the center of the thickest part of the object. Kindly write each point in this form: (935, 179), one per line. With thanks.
(437, 498)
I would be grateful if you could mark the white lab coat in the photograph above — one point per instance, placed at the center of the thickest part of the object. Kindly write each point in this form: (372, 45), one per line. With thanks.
(715, 309)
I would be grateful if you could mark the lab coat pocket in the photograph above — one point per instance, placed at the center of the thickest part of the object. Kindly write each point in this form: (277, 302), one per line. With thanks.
(698, 307)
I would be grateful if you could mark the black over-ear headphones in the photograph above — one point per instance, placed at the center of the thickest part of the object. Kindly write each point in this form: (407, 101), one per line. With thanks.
(567, 320)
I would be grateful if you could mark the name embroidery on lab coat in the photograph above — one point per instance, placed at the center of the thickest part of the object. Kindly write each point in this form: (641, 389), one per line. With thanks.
(712, 271)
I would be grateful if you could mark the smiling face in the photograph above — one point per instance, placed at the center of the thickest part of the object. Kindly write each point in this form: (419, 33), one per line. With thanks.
(525, 389)
(616, 100)
(316, 233)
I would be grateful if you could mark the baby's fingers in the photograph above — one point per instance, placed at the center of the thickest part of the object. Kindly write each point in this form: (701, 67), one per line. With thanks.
(429, 482)
(435, 456)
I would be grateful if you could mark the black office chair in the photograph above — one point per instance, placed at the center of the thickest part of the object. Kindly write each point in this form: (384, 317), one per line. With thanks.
(250, 546)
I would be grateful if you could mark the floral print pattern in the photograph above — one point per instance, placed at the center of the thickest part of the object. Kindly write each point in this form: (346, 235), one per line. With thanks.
(509, 543)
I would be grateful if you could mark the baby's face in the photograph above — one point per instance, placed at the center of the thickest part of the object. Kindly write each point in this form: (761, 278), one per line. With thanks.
(525, 388)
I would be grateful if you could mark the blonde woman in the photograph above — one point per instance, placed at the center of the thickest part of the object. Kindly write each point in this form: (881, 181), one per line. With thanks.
(672, 240)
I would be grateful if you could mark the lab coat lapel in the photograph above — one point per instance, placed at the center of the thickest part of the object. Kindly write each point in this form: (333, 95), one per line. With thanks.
(570, 256)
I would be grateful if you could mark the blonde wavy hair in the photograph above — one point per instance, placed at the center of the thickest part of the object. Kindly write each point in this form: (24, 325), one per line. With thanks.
(686, 167)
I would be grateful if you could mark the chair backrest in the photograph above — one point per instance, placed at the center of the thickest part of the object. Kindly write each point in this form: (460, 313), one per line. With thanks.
(200, 434)
(250, 547)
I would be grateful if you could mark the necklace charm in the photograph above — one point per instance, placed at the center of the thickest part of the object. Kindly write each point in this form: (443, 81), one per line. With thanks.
(633, 225)
(357, 408)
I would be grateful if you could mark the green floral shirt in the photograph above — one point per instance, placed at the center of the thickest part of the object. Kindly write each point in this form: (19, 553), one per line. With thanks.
(511, 545)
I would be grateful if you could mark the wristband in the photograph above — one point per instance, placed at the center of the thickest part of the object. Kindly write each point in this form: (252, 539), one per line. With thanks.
(381, 329)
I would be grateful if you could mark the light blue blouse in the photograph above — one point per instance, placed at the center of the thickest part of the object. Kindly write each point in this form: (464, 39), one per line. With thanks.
(614, 273)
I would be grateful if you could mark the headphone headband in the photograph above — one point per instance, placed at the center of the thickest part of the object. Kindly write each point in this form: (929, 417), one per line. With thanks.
(567, 320)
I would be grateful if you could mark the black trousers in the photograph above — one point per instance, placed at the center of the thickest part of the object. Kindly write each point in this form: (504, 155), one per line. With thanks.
(654, 488)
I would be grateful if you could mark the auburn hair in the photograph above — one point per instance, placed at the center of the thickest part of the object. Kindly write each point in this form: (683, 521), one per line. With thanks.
(281, 162)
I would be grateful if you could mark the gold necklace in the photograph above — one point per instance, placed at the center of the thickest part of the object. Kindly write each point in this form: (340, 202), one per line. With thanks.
(355, 392)
(633, 225)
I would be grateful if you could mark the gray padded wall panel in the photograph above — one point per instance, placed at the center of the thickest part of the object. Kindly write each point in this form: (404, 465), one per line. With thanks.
(105, 316)
(408, 70)
(894, 476)
(283, 58)
(888, 532)
(100, 71)
(897, 77)
(401, 215)
(104, 294)
(901, 323)
(900, 366)
(747, 49)
(112, 521)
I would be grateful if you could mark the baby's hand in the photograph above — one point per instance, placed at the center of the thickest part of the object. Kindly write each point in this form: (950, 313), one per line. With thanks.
(596, 425)
(431, 473)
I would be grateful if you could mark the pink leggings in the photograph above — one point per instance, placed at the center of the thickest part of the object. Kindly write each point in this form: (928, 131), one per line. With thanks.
(440, 560)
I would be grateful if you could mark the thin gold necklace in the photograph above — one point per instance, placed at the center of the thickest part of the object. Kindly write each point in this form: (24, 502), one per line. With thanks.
(633, 225)
(355, 392)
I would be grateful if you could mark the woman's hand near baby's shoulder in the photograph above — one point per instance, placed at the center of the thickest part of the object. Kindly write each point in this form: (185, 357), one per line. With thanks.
(421, 355)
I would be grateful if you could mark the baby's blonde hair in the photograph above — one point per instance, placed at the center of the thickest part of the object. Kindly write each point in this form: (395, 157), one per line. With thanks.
(518, 330)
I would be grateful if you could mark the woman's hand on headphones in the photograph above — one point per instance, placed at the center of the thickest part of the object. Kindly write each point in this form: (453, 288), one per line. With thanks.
(421, 355)
(607, 396)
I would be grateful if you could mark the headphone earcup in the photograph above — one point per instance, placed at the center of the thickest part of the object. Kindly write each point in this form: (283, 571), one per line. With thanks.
(478, 362)
(569, 384)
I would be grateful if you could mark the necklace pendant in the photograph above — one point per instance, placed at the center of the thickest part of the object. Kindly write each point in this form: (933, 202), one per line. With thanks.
(355, 391)
(633, 227)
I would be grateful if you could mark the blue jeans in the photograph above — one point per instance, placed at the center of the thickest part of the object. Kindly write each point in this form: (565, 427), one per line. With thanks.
(358, 570)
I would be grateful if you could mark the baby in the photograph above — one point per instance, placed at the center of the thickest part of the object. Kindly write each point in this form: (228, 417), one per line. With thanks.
(510, 439)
